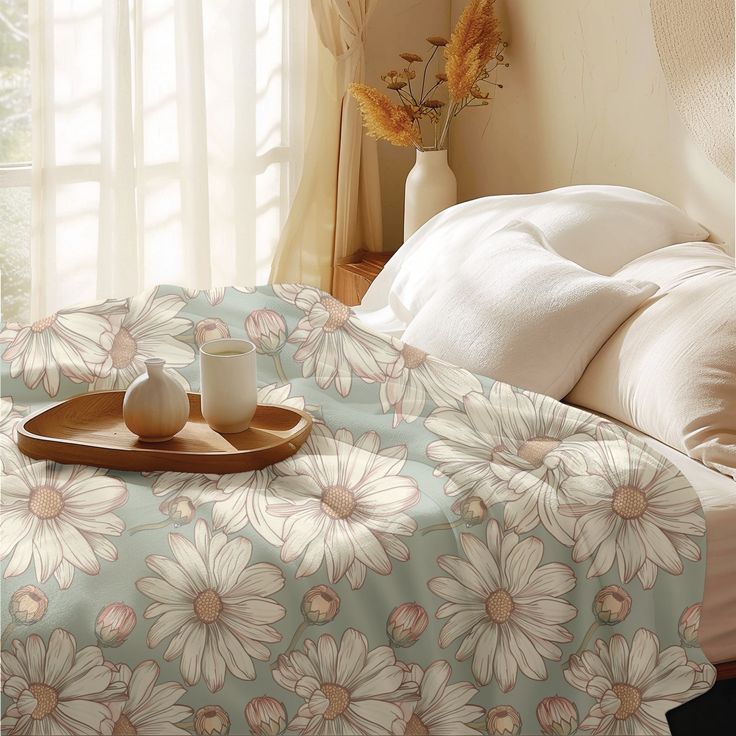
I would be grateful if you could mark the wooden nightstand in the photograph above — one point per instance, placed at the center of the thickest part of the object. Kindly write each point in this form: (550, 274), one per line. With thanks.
(352, 279)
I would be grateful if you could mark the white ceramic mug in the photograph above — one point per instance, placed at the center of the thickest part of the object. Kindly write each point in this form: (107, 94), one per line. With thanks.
(228, 383)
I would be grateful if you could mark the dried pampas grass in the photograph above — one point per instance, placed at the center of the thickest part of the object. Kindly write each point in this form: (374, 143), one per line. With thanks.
(474, 50)
(473, 44)
(383, 119)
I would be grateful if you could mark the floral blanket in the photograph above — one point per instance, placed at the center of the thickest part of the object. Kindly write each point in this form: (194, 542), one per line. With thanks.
(446, 554)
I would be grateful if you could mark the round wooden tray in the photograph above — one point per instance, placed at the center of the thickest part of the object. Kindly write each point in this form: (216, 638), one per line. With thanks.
(89, 430)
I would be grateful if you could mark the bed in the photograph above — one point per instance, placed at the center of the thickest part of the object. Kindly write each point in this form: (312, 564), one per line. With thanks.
(448, 552)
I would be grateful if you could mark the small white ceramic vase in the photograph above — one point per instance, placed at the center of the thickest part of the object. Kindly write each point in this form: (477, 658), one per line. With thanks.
(155, 406)
(430, 188)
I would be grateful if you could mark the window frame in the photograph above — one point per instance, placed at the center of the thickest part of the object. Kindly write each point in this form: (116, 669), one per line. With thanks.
(15, 174)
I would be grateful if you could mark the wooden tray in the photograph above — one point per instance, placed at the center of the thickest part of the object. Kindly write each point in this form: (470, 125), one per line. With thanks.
(89, 430)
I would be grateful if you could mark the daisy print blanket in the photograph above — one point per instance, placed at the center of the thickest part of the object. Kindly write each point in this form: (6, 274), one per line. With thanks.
(445, 555)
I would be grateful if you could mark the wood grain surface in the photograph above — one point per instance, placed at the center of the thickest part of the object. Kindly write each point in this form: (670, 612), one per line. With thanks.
(89, 430)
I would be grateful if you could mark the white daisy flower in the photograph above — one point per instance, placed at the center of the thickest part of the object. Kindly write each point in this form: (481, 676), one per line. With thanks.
(705, 675)
(540, 434)
(442, 708)
(414, 376)
(274, 393)
(347, 689)
(214, 604)
(633, 686)
(343, 502)
(244, 499)
(471, 441)
(633, 507)
(150, 708)
(509, 447)
(56, 689)
(280, 393)
(59, 516)
(147, 330)
(214, 296)
(506, 608)
(67, 343)
(332, 343)
(9, 416)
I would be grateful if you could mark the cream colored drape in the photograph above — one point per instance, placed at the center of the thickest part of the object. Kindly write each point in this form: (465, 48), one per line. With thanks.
(169, 140)
(337, 210)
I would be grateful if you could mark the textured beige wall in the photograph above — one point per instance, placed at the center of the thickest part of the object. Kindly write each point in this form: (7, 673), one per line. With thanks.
(585, 101)
(396, 26)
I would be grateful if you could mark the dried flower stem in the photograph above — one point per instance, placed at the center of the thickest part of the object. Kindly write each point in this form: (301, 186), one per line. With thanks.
(424, 74)
(445, 128)
(473, 52)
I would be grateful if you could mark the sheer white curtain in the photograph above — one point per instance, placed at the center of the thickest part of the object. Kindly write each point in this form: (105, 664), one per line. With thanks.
(168, 142)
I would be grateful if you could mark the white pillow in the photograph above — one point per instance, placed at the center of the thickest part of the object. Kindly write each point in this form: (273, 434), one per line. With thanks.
(670, 370)
(668, 267)
(599, 227)
(518, 312)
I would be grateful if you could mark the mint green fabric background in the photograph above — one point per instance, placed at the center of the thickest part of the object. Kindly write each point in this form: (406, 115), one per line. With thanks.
(365, 609)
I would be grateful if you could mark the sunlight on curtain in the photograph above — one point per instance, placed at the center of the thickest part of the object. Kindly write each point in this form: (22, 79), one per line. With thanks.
(337, 210)
(168, 142)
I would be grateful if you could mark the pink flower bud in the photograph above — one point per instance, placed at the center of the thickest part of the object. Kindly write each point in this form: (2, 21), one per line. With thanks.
(557, 716)
(611, 605)
(406, 623)
(180, 510)
(503, 720)
(211, 720)
(114, 624)
(689, 625)
(473, 510)
(320, 605)
(266, 716)
(210, 329)
(266, 330)
(28, 605)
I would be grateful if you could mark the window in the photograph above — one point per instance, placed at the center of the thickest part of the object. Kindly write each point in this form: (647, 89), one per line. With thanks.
(15, 160)
(170, 139)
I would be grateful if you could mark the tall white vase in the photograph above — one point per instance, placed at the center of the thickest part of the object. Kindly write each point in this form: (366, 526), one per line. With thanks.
(430, 188)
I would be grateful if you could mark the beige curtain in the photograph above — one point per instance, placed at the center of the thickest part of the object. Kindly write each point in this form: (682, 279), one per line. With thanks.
(337, 210)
